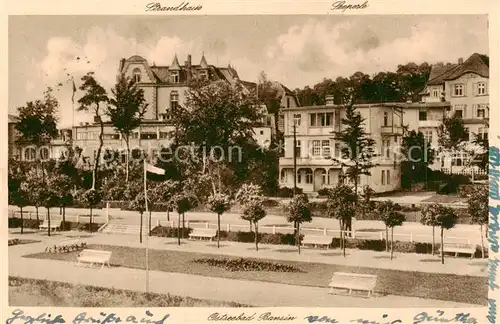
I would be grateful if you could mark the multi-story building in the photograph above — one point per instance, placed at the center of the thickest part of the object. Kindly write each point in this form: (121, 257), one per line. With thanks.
(316, 148)
(465, 87)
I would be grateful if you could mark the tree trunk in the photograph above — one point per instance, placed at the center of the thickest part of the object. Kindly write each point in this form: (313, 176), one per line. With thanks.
(64, 219)
(343, 239)
(392, 241)
(127, 159)
(37, 218)
(140, 229)
(482, 242)
(442, 249)
(90, 226)
(341, 243)
(250, 222)
(298, 236)
(433, 239)
(149, 225)
(168, 214)
(178, 228)
(60, 210)
(386, 239)
(48, 220)
(218, 230)
(183, 229)
(256, 237)
(98, 154)
(22, 220)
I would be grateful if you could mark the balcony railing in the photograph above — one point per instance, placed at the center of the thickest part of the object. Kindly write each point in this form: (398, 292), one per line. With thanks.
(391, 130)
(306, 161)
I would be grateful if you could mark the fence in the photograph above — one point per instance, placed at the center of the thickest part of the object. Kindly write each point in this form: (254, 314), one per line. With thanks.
(274, 229)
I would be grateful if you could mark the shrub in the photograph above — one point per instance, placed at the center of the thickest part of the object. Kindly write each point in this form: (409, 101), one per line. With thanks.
(323, 192)
(15, 222)
(453, 184)
(242, 264)
(163, 231)
(286, 192)
(466, 190)
(65, 248)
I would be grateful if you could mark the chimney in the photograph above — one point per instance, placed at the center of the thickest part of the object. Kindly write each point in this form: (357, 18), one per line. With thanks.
(329, 100)
(460, 60)
(122, 63)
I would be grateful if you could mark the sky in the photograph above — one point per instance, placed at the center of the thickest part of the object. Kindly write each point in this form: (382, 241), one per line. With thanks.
(294, 50)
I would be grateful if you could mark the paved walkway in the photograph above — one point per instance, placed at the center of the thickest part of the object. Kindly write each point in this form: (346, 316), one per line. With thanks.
(354, 257)
(241, 291)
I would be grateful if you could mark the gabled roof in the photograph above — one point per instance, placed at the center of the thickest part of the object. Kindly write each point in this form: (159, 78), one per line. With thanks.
(203, 63)
(439, 72)
(175, 64)
(476, 63)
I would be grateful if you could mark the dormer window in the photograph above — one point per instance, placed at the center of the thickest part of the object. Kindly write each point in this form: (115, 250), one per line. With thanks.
(137, 75)
(204, 74)
(175, 76)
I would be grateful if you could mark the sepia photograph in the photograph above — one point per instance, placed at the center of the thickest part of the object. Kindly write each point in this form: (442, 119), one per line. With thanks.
(248, 161)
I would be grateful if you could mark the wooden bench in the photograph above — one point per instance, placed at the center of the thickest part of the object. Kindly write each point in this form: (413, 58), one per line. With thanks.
(314, 241)
(353, 281)
(54, 225)
(460, 248)
(203, 233)
(94, 257)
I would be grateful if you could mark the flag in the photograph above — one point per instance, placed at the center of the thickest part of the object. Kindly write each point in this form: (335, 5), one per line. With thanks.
(152, 169)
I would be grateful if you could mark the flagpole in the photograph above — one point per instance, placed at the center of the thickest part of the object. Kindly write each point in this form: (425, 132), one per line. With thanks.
(147, 236)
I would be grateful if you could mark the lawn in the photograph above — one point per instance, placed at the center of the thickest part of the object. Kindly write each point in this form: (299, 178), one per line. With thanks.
(463, 289)
(35, 293)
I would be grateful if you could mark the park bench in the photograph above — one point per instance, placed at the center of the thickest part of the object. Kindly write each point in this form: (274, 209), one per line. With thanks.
(314, 241)
(460, 248)
(353, 282)
(203, 233)
(94, 257)
(54, 225)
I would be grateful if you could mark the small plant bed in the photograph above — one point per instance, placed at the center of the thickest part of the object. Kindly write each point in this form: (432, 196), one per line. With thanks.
(66, 248)
(32, 292)
(17, 241)
(243, 264)
(393, 282)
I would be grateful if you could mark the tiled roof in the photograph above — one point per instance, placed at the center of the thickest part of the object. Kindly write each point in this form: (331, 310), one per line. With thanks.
(475, 63)
(439, 73)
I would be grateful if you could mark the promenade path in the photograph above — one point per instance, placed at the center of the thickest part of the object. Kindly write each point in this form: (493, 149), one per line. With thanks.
(461, 233)
(252, 293)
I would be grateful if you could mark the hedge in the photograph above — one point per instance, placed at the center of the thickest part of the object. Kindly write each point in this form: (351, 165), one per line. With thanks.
(15, 222)
(289, 239)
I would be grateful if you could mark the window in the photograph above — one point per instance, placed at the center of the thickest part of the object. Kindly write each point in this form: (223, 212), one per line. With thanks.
(309, 176)
(297, 148)
(296, 119)
(81, 135)
(435, 93)
(288, 102)
(325, 146)
(261, 132)
(111, 136)
(467, 131)
(337, 150)
(481, 88)
(137, 75)
(174, 100)
(44, 153)
(481, 111)
(321, 119)
(383, 177)
(460, 111)
(387, 148)
(175, 76)
(482, 132)
(281, 121)
(149, 135)
(324, 177)
(388, 172)
(163, 135)
(283, 176)
(458, 90)
(428, 135)
(204, 74)
(386, 118)
(316, 149)
(422, 115)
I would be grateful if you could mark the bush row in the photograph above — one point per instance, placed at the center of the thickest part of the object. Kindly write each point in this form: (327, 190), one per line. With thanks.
(289, 239)
(65, 248)
(242, 264)
(67, 226)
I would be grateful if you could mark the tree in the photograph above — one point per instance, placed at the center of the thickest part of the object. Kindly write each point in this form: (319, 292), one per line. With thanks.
(219, 203)
(247, 195)
(139, 204)
(340, 204)
(254, 212)
(164, 193)
(50, 196)
(429, 218)
(451, 133)
(91, 198)
(366, 204)
(357, 149)
(64, 187)
(19, 198)
(478, 207)
(417, 154)
(392, 217)
(298, 211)
(182, 203)
(126, 110)
(268, 93)
(94, 96)
(447, 218)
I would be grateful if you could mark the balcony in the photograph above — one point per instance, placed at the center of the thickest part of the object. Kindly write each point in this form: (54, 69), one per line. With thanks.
(429, 123)
(308, 161)
(391, 130)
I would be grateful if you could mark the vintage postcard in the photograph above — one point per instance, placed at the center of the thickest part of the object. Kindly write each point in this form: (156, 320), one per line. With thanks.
(259, 162)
